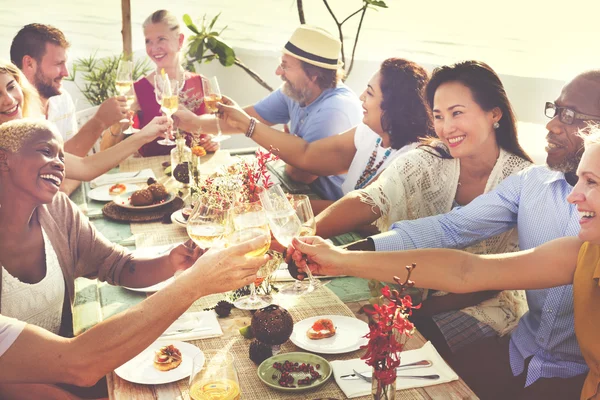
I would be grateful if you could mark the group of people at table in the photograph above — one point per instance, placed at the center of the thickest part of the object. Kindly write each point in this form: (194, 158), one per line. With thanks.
(430, 161)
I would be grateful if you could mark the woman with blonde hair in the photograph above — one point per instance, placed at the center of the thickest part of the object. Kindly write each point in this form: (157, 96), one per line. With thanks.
(18, 99)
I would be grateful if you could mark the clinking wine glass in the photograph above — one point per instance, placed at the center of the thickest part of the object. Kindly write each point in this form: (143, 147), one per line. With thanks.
(212, 96)
(209, 224)
(167, 96)
(249, 221)
(124, 86)
(214, 377)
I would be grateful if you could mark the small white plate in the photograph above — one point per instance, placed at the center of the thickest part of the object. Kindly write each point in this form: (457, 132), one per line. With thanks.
(177, 218)
(153, 288)
(348, 336)
(101, 192)
(125, 202)
(140, 369)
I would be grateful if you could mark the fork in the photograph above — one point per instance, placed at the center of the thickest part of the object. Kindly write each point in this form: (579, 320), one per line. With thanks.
(180, 331)
(429, 377)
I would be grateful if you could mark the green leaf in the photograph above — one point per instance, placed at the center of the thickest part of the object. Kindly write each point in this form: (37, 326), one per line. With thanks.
(211, 43)
(187, 20)
(212, 23)
(224, 52)
(376, 3)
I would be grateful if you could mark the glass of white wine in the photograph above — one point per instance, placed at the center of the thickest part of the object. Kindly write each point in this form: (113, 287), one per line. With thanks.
(167, 96)
(212, 96)
(124, 85)
(209, 224)
(249, 221)
(214, 377)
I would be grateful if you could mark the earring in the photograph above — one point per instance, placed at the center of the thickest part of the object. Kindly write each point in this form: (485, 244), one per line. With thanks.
(496, 125)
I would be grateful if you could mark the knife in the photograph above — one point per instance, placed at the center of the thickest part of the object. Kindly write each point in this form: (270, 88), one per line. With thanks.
(418, 364)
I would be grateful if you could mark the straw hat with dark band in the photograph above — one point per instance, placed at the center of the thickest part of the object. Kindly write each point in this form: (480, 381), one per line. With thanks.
(315, 46)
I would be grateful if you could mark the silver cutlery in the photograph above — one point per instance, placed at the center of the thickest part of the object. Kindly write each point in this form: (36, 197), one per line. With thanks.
(428, 377)
(180, 331)
(417, 364)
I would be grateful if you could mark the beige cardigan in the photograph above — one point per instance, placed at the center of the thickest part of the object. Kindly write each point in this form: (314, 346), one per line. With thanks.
(81, 250)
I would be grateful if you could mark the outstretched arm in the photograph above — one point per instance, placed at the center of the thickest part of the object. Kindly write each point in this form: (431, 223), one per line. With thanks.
(47, 358)
(345, 215)
(551, 264)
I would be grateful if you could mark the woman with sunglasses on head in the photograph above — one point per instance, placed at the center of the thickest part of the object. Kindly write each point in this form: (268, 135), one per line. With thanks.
(19, 99)
(164, 42)
(475, 149)
(46, 243)
(395, 116)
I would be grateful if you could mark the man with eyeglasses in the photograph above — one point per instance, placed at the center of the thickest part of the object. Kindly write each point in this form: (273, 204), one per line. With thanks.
(541, 358)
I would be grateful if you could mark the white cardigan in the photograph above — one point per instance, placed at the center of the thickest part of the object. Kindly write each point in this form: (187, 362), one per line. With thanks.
(419, 184)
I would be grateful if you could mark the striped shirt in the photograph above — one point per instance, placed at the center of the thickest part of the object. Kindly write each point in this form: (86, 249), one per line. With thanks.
(535, 201)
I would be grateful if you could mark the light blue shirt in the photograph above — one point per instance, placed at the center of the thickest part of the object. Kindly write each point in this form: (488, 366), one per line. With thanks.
(535, 201)
(335, 111)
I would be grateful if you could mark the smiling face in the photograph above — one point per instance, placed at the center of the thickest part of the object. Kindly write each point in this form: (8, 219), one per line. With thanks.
(11, 98)
(371, 102)
(50, 71)
(163, 44)
(564, 145)
(586, 194)
(297, 85)
(461, 123)
(37, 169)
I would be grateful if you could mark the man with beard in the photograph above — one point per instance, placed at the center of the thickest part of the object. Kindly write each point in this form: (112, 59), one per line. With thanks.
(40, 51)
(312, 99)
(541, 358)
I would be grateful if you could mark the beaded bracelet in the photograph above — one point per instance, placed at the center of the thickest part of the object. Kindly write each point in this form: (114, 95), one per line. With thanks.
(251, 127)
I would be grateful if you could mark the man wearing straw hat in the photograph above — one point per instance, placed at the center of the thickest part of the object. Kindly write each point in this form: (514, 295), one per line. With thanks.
(312, 99)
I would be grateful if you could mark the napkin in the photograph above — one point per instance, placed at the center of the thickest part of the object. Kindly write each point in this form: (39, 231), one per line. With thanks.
(203, 324)
(360, 387)
(122, 177)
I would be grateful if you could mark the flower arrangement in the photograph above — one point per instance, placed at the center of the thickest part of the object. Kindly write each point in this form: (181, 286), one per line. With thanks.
(389, 328)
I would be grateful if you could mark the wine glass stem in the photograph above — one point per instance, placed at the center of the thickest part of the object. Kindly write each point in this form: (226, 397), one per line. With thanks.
(311, 278)
(219, 133)
(252, 297)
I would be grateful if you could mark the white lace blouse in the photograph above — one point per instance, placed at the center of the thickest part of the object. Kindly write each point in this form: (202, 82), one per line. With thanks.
(39, 303)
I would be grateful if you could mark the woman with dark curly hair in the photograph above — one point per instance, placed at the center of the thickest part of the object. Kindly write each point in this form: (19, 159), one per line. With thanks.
(475, 149)
(395, 116)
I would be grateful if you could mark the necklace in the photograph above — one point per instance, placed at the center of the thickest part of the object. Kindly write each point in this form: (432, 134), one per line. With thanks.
(370, 170)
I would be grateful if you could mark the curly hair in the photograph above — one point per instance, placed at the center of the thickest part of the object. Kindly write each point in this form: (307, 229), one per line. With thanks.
(31, 41)
(488, 92)
(404, 112)
(32, 106)
(13, 134)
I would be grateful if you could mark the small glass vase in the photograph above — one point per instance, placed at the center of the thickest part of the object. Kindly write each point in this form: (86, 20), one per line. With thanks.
(181, 162)
(381, 391)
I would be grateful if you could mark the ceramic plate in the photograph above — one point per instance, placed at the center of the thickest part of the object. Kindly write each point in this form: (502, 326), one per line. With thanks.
(101, 192)
(177, 218)
(348, 336)
(153, 288)
(124, 201)
(140, 369)
(270, 376)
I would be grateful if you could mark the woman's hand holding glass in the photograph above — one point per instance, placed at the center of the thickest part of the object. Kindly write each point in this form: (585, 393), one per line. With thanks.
(316, 255)
(167, 96)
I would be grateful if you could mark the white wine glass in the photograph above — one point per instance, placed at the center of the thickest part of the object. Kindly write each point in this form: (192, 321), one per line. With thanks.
(209, 224)
(124, 82)
(212, 96)
(249, 221)
(214, 376)
(167, 96)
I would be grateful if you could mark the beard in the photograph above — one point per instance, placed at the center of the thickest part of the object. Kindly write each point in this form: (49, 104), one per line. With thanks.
(44, 86)
(569, 164)
(301, 95)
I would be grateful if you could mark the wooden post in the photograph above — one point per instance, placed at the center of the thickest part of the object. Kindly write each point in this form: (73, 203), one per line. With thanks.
(126, 30)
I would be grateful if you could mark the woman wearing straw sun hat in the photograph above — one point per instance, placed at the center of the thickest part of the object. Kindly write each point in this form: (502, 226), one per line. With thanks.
(312, 99)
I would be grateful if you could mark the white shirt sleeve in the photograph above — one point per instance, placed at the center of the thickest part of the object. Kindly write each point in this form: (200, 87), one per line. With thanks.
(10, 329)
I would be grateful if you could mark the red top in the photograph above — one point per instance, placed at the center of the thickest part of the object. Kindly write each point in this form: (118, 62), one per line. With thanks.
(191, 96)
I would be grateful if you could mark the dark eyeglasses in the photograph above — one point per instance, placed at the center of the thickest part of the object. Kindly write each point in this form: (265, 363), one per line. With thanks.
(566, 115)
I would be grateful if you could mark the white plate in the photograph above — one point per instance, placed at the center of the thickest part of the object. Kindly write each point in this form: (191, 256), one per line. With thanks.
(101, 192)
(140, 369)
(126, 203)
(153, 288)
(348, 336)
(177, 218)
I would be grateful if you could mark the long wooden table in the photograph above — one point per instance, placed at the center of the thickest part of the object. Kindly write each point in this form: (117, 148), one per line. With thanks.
(321, 302)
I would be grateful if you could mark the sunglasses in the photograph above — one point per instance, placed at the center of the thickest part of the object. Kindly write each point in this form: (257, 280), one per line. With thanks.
(566, 115)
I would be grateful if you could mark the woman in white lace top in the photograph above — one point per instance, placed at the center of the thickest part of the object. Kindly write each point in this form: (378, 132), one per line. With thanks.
(476, 149)
(395, 116)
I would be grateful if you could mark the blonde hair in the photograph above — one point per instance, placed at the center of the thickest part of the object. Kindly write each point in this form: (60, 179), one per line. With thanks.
(13, 134)
(590, 135)
(165, 17)
(32, 106)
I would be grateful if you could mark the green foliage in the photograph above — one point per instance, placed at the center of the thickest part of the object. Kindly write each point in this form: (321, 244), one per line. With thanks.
(98, 75)
(205, 44)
